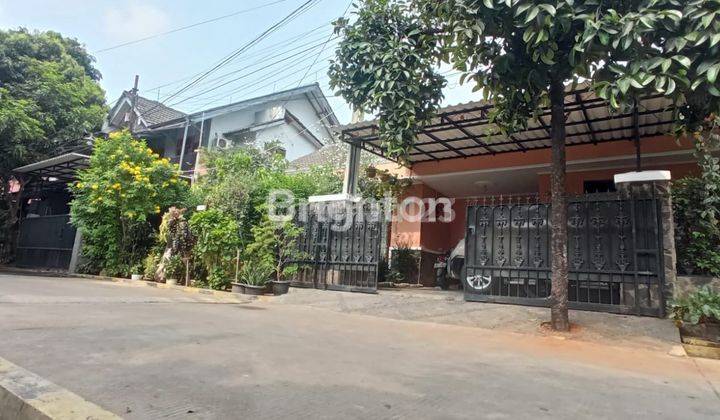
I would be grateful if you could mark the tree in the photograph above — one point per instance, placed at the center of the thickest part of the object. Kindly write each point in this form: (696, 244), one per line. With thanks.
(118, 200)
(49, 100)
(671, 48)
(520, 53)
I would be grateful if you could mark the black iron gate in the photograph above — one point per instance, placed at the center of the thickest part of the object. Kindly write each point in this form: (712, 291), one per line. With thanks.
(45, 242)
(341, 247)
(614, 252)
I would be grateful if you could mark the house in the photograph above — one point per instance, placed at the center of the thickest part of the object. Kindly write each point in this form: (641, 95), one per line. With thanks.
(485, 194)
(300, 120)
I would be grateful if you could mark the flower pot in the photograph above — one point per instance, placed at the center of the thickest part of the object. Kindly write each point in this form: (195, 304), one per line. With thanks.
(136, 277)
(171, 282)
(238, 288)
(254, 290)
(701, 340)
(371, 171)
(280, 287)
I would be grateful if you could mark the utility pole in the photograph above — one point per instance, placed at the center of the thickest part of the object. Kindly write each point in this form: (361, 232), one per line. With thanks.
(133, 103)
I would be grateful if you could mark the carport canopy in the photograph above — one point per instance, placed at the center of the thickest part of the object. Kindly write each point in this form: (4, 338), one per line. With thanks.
(465, 130)
(62, 168)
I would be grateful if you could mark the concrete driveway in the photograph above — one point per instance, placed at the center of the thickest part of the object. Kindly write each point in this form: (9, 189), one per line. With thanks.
(151, 353)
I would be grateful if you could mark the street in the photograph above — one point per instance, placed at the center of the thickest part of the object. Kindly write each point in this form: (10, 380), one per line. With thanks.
(145, 353)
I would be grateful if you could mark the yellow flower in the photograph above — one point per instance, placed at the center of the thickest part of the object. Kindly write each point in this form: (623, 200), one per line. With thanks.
(157, 209)
(94, 186)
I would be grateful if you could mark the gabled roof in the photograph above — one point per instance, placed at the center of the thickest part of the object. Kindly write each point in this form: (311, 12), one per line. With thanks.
(313, 92)
(150, 113)
(334, 155)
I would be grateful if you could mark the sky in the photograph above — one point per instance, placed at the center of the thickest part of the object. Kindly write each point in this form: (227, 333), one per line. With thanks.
(296, 54)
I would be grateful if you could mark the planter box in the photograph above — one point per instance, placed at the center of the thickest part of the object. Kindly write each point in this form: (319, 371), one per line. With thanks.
(238, 288)
(702, 340)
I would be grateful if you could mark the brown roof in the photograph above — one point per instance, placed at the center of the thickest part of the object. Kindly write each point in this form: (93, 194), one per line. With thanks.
(153, 112)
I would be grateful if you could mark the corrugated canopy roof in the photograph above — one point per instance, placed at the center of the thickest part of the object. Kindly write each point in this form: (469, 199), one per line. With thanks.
(462, 131)
(63, 167)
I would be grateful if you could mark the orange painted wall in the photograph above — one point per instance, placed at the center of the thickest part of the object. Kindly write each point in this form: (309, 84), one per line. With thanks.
(574, 180)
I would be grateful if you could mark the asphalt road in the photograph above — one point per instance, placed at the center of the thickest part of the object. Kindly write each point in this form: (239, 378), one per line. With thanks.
(144, 353)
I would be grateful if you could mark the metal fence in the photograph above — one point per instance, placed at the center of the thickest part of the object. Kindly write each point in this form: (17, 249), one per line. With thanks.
(341, 247)
(45, 242)
(614, 251)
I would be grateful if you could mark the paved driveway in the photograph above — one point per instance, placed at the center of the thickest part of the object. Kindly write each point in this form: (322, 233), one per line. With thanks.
(146, 353)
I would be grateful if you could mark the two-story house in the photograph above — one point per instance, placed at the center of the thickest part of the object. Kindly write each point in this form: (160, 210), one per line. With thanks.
(300, 120)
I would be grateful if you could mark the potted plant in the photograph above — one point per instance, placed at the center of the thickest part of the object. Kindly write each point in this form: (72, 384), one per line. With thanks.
(698, 318)
(275, 243)
(137, 271)
(254, 276)
(371, 171)
(174, 269)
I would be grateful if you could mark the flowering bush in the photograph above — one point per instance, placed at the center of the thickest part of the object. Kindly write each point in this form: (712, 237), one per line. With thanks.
(118, 200)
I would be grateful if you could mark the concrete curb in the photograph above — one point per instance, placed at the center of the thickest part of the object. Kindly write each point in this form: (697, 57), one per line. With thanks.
(239, 298)
(26, 396)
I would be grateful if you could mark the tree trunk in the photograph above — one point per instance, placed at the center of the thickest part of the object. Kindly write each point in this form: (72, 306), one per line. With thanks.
(558, 219)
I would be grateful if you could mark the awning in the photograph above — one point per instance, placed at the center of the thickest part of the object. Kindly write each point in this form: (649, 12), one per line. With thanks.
(462, 131)
(59, 168)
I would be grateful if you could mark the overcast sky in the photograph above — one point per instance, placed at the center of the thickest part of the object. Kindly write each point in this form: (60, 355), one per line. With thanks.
(166, 63)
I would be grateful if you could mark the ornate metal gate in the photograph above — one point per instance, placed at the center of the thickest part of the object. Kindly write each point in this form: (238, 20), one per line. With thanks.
(614, 252)
(341, 246)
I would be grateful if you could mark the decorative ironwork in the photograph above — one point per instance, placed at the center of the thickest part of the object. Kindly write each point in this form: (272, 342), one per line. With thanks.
(614, 254)
(501, 223)
(577, 222)
(337, 258)
(598, 222)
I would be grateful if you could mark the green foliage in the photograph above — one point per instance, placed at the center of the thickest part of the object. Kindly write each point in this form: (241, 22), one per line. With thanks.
(696, 241)
(256, 273)
(699, 307)
(217, 242)
(512, 50)
(150, 265)
(175, 233)
(49, 96)
(174, 268)
(118, 199)
(404, 264)
(239, 181)
(275, 244)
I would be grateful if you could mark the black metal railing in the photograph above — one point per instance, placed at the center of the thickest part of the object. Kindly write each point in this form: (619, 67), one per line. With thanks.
(614, 251)
(340, 247)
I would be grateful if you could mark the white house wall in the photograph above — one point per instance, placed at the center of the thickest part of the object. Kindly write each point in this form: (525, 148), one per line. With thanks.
(295, 144)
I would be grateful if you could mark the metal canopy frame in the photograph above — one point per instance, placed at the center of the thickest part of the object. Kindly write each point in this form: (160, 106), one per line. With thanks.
(463, 131)
(64, 167)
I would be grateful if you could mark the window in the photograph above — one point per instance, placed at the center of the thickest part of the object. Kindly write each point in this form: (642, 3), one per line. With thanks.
(599, 186)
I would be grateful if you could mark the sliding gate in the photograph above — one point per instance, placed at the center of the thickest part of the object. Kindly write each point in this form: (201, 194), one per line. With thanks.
(614, 252)
(341, 247)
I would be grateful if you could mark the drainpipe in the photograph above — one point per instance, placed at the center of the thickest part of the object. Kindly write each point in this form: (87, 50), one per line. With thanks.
(636, 135)
(184, 142)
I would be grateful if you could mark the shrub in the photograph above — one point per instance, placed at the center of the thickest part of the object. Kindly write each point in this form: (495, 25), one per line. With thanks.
(697, 242)
(256, 273)
(699, 307)
(216, 245)
(118, 200)
(151, 265)
(275, 244)
(403, 264)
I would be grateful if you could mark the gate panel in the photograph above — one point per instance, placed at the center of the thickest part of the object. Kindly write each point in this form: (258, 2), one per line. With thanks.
(45, 242)
(614, 252)
(341, 248)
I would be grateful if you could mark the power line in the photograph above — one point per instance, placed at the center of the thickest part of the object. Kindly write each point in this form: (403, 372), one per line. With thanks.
(305, 6)
(193, 25)
(288, 41)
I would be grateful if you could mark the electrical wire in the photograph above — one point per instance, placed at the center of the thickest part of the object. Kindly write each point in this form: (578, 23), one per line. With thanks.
(183, 28)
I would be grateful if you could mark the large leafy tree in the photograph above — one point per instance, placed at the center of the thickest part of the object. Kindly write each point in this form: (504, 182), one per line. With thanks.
(49, 100)
(520, 53)
(669, 47)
